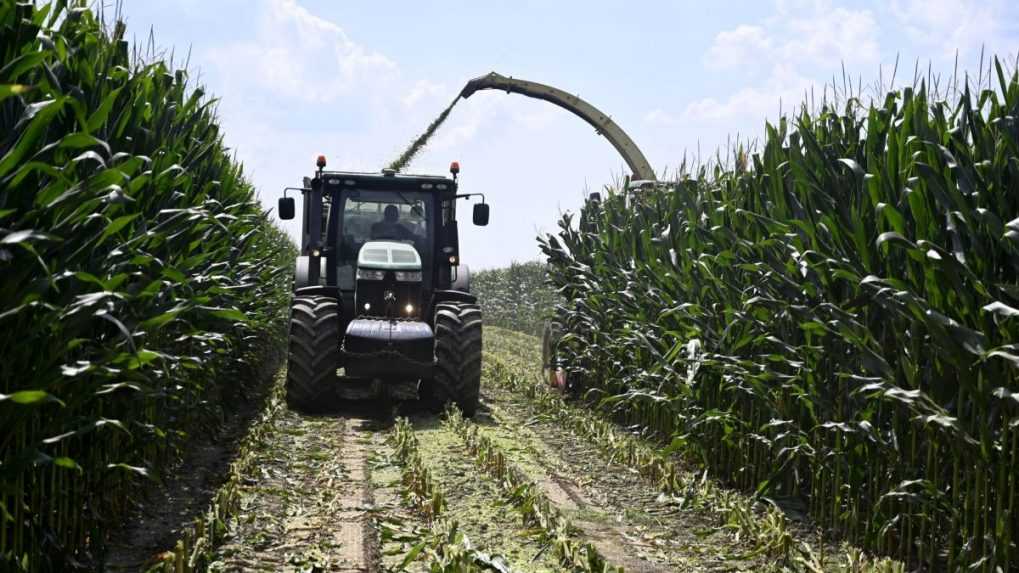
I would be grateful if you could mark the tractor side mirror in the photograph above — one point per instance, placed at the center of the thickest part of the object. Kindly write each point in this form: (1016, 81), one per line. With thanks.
(286, 208)
(480, 214)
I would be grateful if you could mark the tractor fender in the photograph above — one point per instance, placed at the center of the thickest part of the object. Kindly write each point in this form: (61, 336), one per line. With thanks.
(319, 290)
(453, 296)
(463, 279)
(302, 272)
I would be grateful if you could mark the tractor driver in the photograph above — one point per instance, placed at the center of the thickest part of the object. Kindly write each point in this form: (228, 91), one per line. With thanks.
(390, 227)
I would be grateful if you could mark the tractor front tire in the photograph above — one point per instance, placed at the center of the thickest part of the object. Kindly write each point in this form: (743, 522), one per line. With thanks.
(314, 351)
(457, 357)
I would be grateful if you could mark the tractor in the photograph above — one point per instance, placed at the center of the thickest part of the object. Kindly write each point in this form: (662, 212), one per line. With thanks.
(382, 305)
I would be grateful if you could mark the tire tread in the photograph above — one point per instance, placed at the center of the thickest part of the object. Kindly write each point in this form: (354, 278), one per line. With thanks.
(314, 353)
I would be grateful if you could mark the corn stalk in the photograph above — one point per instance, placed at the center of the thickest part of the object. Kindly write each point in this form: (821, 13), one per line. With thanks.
(831, 316)
(141, 283)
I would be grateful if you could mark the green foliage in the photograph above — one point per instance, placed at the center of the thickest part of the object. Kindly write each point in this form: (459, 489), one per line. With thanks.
(443, 545)
(830, 319)
(141, 284)
(420, 490)
(517, 297)
(535, 508)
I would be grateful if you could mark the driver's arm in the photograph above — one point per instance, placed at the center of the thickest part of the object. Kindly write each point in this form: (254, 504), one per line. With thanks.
(380, 230)
(405, 233)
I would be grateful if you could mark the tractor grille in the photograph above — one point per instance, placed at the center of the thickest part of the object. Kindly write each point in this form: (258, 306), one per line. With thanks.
(370, 298)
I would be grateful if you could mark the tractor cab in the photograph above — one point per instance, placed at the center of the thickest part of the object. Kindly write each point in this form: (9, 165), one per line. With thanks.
(384, 250)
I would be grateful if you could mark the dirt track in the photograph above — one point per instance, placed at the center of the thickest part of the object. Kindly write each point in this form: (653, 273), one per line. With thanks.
(307, 506)
(328, 493)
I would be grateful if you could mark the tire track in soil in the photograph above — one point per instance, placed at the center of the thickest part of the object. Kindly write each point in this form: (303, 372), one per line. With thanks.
(386, 490)
(308, 506)
(627, 520)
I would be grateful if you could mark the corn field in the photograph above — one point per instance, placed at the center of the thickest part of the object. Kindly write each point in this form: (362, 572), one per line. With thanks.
(831, 318)
(142, 288)
(515, 297)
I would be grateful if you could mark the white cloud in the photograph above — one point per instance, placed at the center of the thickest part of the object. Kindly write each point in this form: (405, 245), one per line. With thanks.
(779, 58)
(423, 89)
(785, 88)
(298, 55)
(828, 35)
(801, 33)
(964, 25)
(463, 128)
(494, 112)
(466, 121)
(661, 117)
(736, 47)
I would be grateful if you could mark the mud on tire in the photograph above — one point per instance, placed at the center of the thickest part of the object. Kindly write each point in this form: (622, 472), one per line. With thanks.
(314, 351)
(457, 357)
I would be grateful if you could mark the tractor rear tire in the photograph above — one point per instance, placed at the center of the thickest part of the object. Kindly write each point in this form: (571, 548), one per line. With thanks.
(457, 357)
(314, 352)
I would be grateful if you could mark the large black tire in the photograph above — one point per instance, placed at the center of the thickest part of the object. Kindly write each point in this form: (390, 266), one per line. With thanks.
(314, 351)
(457, 357)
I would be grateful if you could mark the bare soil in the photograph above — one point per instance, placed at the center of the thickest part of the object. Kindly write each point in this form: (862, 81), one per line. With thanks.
(309, 506)
(626, 519)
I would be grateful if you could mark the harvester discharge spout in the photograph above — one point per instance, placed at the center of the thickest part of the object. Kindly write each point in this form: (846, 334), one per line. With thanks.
(602, 123)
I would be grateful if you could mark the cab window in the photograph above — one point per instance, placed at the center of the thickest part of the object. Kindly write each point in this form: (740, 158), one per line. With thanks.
(381, 216)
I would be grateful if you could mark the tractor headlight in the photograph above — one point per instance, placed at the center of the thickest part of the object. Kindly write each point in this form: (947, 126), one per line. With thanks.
(408, 276)
(370, 275)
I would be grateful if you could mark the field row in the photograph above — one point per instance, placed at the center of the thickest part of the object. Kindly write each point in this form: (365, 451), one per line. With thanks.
(531, 483)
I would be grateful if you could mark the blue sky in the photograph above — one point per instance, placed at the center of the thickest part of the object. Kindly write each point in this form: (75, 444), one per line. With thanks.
(356, 81)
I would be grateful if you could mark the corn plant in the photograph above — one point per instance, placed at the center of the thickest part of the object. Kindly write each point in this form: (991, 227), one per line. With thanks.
(517, 297)
(830, 317)
(420, 490)
(142, 287)
(762, 524)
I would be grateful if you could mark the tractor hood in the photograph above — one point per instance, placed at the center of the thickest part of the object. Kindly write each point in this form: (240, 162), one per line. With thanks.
(388, 256)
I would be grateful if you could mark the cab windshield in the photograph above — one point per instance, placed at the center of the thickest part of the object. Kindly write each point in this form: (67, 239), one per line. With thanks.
(382, 216)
